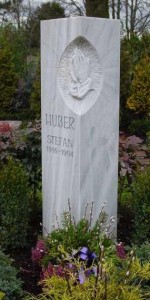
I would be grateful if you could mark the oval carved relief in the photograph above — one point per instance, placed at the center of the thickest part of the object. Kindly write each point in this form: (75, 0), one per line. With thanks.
(80, 75)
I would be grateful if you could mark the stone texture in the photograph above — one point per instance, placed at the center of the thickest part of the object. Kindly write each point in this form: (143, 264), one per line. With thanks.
(80, 115)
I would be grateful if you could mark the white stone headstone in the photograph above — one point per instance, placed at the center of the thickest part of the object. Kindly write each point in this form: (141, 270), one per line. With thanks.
(80, 115)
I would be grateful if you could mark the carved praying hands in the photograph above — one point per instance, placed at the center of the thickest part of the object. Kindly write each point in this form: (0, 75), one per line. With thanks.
(79, 70)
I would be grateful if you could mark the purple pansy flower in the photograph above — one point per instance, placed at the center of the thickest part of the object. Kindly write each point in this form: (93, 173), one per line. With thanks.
(86, 255)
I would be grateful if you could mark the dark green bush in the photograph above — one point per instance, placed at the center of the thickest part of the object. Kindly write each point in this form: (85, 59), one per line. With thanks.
(141, 207)
(139, 127)
(10, 285)
(143, 252)
(14, 206)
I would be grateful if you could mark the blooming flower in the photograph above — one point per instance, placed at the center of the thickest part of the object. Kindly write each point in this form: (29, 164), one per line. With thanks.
(39, 251)
(86, 255)
(52, 270)
(121, 250)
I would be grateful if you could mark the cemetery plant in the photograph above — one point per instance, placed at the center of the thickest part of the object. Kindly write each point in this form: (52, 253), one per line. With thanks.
(133, 160)
(35, 95)
(28, 152)
(73, 235)
(109, 273)
(134, 202)
(24, 145)
(142, 251)
(108, 286)
(14, 205)
(139, 127)
(8, 78)
(141, 207)
(139, 100)
(2, 295)
(10, 284)
(134, 51)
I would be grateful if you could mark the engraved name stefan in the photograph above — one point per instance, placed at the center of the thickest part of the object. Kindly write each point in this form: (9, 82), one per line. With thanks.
(59, 141)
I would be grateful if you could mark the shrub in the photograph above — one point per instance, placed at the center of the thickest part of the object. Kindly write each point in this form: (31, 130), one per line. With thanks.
(108, 277)
(70, 270)
(35, 97)
(139, 101)
(142, 251)
(72, 235)
(139, 127)
(133, 156)
(14, 205)
(133, 50)
(24, 145)
(6, 138)
(2, 295)
(10, 285)
(141, 206)
(8, 79)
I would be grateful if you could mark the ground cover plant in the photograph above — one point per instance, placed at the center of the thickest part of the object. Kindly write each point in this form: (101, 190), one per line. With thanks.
(10, 285)
(14, 206)
(71, 271)
(134, 158)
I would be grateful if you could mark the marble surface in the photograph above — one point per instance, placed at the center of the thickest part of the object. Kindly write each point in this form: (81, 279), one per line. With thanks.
(80, 115)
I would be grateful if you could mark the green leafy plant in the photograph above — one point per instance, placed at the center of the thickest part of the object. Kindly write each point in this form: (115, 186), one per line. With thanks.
(141, 206)
(112, 278)
(2, 295)
(35, 96)
(73, 235)
(14, 205)
(139, 127)
(139, 101)
(24, 145)
(133, 158)
(142, 251)
(133, 50)
(8, 79)
(81, 261)
(10, 285)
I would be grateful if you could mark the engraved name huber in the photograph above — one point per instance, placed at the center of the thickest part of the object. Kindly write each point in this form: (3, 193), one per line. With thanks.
(66, 122)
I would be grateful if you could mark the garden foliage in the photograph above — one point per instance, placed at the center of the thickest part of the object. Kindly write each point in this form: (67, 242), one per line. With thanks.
(142, 251)
(134, 52)
(14, 205)
(139, 100)
(141, 206)
(10, 285)
(24, 145)
(107, 273)
(133, 158)
(73, 235)
(35, 96)
(134, 203)
(107, 284)
(8, 79)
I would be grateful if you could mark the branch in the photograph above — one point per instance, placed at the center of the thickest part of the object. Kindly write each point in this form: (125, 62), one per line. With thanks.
(74, 6)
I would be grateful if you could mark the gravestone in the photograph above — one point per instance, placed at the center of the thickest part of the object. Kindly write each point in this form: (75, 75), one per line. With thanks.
(80, 115)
